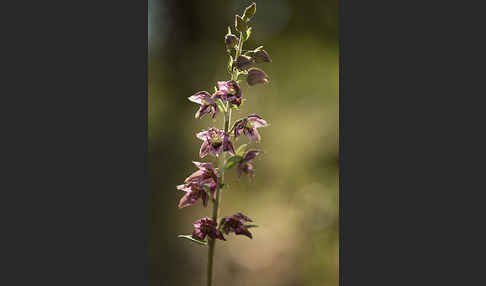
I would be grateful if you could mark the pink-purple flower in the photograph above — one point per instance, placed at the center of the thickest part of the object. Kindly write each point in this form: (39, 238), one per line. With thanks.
(236, 224)
(207, 102)
(244, 166)
(215, 142)
(195, 191)
(206, 171)
(248, 126)
(206, 226)
(229, 91)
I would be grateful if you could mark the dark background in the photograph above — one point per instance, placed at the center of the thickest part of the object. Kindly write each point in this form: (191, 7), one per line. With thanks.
(294, 197)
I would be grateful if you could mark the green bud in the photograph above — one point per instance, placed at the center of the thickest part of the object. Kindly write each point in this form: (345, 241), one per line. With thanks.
(249, 12)
(240, 24)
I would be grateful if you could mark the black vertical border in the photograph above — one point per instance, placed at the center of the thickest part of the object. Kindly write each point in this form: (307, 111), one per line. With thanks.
(75, 190)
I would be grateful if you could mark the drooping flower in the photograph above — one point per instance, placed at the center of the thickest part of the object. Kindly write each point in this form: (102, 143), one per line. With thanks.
(244, 166)
(229, 91)
(231, 41)
(236, 224)
(243, 62)
(261, 56)
(256, 76)
(206, 171)
(206, 226)
(248, 126)
(195, 191)
(207, 102)
(215, 142)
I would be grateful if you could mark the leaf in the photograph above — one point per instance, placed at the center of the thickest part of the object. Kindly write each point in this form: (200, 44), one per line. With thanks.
(233, 161)
(192, 239)
(257, 49)
(251, 225)
(241, 149)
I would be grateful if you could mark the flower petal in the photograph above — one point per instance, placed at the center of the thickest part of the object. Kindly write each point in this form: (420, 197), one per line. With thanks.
(205, 147)
(199, 96)
(257, 121)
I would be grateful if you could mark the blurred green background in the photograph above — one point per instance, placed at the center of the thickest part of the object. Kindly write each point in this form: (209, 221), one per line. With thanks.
(294, 197)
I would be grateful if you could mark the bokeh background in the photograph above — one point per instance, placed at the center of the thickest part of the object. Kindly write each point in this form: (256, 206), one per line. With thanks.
(295, 196)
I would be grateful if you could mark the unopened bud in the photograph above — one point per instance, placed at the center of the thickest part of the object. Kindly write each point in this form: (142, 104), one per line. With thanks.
(243, 62)
(249, 12)
(256, 76)
(231, 41)
(261, 56)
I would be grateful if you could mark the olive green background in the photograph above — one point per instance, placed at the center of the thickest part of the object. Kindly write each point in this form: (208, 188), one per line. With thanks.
(294, 197)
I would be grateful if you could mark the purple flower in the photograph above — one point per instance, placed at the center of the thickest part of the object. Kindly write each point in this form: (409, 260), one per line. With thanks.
(244, 166)
(207, 102)
(249, 127)
(256, 76)
(215, 142)
(195, 191)
(235, 223)
(229, 91)
(206, 226)
(206, 171)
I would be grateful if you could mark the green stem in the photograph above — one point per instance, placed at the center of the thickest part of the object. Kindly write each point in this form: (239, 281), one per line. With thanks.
(221, 164)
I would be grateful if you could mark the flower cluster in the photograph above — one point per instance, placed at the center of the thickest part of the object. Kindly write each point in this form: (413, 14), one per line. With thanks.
(206, 183)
